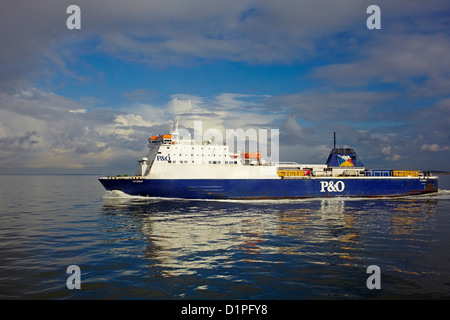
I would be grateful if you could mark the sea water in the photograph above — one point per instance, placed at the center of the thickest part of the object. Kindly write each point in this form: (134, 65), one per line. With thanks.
(142, 248)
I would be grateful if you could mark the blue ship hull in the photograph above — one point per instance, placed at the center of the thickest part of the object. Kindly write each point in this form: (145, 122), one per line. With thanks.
(271, 188)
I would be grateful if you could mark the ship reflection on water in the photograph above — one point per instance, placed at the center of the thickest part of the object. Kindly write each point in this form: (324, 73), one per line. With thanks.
(220, 240)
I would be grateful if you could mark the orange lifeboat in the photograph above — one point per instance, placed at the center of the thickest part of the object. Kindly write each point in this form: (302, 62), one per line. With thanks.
(251, 155)
(162, 136)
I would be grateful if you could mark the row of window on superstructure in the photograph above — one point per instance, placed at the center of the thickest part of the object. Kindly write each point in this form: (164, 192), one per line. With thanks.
(200, 155)
(209, 162)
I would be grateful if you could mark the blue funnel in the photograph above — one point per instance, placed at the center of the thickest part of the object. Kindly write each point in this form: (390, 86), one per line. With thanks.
(343, 157)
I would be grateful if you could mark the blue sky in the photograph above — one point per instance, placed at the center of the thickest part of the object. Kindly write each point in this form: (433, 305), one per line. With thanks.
(86, 100)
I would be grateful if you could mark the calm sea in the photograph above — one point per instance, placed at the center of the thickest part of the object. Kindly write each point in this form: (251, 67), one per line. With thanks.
(138, 248)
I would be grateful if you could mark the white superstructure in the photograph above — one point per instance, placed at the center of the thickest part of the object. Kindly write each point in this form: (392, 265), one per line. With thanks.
(172, 157)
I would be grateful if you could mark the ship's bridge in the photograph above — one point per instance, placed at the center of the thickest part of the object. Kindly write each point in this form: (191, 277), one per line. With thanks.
(161, 139)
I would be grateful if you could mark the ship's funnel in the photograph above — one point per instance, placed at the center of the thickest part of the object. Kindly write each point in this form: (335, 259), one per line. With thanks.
(343, 157)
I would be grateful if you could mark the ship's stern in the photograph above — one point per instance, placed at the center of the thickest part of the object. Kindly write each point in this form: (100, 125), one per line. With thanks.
(431, 185)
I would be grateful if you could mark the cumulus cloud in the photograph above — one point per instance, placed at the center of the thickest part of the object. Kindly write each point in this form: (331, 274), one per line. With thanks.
(394, 157)
(408, 56)
(78, 111)
(40, 129)
(434, 147)
(416, 62)
(176, 32)
(356, 106)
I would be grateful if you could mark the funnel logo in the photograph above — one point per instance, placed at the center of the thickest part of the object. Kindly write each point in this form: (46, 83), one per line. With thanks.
(345, 161)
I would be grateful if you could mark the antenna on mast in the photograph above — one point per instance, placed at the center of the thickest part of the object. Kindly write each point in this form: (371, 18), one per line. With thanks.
(334, 145)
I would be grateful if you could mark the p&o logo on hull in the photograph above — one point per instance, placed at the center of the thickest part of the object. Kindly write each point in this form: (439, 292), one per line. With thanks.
(331, 186)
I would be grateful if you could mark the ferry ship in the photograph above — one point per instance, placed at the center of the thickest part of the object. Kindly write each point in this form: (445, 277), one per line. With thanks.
(176, 167)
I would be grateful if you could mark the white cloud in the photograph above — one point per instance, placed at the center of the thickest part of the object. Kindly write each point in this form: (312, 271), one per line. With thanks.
(78, 111)
(394, 157)
(223, 111)
(407, 60)
(180, 106)
(131, 120)
(163, 33)
(294, 128)
(386, 150)
(434, 147)
(321, 105)
(40, 129)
